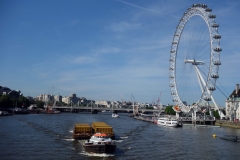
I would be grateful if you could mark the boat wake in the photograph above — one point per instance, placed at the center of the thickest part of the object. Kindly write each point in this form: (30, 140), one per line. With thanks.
(71, 131)
(70, 139)
(71, 148)
(118, 141)
(124, 137)
(96, 154)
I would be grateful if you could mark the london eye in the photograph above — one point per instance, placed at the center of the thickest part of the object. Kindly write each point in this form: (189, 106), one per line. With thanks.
(194, 59)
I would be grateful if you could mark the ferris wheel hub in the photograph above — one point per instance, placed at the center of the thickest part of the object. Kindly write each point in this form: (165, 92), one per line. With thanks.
(194, 62)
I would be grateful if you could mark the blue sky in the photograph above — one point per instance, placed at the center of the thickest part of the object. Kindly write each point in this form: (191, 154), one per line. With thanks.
(104, 50)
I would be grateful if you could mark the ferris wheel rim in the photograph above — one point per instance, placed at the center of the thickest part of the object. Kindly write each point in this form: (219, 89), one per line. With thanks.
(205, 13)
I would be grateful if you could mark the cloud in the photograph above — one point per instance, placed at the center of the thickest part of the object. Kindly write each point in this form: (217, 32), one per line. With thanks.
(103, 50)
(84, 60)
(147, 9)
(124, 26)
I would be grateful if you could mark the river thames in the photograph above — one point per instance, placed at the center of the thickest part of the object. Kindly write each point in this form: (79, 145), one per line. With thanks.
(42, 136)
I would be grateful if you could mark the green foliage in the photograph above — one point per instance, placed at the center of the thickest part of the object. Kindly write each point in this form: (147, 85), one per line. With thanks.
(23, 101)
(39, 104)
(169, 110)
(207, 113)
(5, 101)
(216, 114)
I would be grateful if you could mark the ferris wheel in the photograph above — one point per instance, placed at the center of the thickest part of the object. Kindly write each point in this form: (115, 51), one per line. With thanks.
(194, 59)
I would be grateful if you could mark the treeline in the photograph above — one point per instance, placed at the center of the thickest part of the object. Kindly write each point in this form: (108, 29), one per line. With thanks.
(7, 102)
(170, 111)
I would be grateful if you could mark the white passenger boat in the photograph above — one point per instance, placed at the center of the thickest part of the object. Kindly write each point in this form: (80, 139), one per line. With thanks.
(164, 121)
(114, 115)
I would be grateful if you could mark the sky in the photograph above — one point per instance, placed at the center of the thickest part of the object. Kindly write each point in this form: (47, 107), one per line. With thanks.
(105, 50)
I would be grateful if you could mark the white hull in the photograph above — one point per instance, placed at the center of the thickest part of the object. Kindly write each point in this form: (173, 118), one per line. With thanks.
(115, 115)
(167, 122)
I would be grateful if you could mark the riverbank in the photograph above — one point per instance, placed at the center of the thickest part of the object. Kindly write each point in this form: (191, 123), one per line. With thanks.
(228, 124)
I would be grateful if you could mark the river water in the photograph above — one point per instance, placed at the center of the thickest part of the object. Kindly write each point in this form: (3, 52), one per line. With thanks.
(42, 136)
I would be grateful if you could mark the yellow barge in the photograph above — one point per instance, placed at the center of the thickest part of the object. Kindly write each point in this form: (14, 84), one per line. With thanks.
(85, 131)
(82, 131)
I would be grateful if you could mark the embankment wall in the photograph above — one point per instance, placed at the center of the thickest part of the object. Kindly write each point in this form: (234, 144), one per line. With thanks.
(228, 124)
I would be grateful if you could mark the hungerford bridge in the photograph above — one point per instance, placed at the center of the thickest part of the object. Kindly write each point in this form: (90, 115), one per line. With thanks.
(135, 110)
(94, 109)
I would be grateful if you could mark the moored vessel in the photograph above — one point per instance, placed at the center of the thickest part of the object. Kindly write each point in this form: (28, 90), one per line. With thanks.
(165, 121)
(99, 143)
(115, 115)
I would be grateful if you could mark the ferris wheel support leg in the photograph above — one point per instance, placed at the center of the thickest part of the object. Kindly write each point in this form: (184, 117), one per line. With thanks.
(199, 77)
(203, 82)
(194, 117)
(214, 103)
(177, 115)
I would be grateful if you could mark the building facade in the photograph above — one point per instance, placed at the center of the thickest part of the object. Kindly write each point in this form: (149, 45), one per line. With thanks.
(232, 105)
(45, 97)
(103, 103)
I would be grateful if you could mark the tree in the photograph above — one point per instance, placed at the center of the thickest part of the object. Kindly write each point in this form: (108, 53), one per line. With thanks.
(5, 101)
(23, 101)
(169, 110)
(215, 114)
(39, 104)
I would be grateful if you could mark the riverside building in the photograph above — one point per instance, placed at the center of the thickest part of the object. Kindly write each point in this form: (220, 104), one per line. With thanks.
(232, 105)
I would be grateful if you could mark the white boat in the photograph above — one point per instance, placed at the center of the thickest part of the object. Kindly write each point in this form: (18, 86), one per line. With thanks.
(114, 115)
(164, 121)
(172, 123)
(99, 143)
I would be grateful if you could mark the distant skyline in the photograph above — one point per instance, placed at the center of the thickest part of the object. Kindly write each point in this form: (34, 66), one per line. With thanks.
(104, 50)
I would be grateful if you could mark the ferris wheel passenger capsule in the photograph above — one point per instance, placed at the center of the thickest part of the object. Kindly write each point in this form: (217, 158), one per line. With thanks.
(217, 49)
(208, 10)
(204, 6)
(212, 16)
(194, 5)
(217, 63)
(207, 98)
(215, 76)
(217, 36)
(215, 25)
(212, 88)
